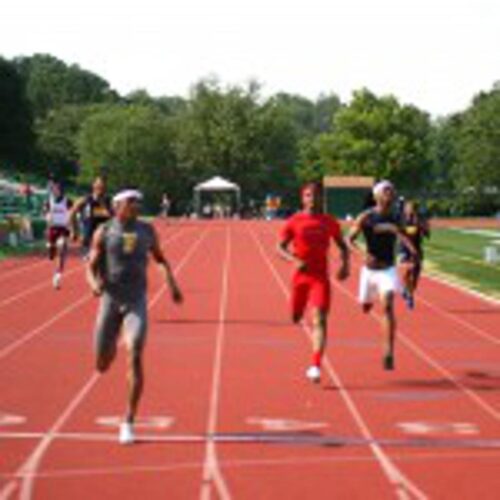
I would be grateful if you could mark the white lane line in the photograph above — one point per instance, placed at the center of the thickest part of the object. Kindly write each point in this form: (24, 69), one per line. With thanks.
(254, 463)
(6, 350)
(458, 286)
(430, 360)
(211, 471)
(438, 367)
(28, 267)
(471, 327)
(10, 488)
(28, 470)
(404, 487)
(46, 283)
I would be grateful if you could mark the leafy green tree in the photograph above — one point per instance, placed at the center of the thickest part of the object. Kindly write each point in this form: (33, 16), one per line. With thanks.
(131, 145)
(231, 132)
(325, 109)
(170, 106)
(219, 134)
(57, 138)
(301, 112)
(377, 136)
(477, 169)
(444, 154)
(16, 135)
(51, 83)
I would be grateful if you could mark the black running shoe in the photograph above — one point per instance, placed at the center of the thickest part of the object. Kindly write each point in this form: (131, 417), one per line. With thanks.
(389, 362)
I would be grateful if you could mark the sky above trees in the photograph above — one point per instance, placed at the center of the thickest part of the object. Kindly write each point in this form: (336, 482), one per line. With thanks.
(435, 54)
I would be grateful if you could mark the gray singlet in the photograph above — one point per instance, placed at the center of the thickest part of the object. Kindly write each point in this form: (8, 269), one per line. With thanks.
(125, 258)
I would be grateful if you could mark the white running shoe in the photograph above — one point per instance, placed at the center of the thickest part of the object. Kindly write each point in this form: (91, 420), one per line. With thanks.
(313, 373)
(126, 433)
(56, 281)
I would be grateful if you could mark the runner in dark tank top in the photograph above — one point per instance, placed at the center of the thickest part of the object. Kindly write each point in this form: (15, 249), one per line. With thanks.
(380, 238)
(416, 228)
(94, 209)
(378, 274)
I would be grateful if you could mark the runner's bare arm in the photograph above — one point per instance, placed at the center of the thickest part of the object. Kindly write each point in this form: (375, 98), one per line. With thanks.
(407, 242)
(75, 208)
(355, 231)
(425, 228)
(94, 278)
(161, 260)
(344, 270)
(285, 253)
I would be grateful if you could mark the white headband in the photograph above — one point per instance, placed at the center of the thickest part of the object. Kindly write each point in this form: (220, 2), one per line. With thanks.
(126, 194)
(380, 186)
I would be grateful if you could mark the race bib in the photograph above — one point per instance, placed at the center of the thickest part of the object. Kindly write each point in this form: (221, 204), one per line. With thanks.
(129, 241)
(100, 212)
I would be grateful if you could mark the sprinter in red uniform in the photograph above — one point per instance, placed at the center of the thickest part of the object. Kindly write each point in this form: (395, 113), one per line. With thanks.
(310, 232)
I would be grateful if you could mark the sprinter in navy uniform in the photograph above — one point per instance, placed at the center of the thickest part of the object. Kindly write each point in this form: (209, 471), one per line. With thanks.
(379, 277)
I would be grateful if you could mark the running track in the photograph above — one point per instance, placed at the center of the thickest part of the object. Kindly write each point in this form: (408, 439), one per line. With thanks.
(227, 412)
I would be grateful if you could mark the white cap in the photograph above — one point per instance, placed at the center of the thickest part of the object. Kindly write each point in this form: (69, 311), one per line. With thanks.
(127, 194)
(380, 186)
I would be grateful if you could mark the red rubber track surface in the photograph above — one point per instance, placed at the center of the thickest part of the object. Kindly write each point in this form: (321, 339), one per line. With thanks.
(227, 411)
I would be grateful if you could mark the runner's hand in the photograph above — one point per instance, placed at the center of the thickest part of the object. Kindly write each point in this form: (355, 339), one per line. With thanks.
(343, 272)
(370, 261)
(300, 264)
(96, 287)
(177, 295)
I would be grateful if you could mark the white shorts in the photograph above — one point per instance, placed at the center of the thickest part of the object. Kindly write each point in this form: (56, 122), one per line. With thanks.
(375, 283)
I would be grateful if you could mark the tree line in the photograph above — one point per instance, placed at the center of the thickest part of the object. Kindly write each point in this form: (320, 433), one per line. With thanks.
(60, 118)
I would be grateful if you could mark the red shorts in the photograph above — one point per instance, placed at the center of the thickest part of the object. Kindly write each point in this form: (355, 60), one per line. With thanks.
(312, 290)
(56, 232)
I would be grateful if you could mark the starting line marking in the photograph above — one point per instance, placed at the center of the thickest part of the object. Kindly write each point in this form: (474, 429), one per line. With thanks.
(10, 419)
(153, 422)
(285, 425)
(426, 428)
(275, 439)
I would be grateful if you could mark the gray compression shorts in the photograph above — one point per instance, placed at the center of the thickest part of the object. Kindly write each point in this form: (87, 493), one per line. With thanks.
(113, 316)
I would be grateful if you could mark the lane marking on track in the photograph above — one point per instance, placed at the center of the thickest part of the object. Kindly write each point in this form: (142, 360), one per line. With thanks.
(6, 350)
(212, 475)
(461, 287)
(143, 422)
(285, 425)
(47, 283)
(27, 267)
(403, 486)
(242, 463)
(277, 438)
(473, 328)
(9, 419)
(412, 346)
(426, 428)
(28, 470)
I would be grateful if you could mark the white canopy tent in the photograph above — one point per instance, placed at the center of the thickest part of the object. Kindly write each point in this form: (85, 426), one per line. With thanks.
(213, 185)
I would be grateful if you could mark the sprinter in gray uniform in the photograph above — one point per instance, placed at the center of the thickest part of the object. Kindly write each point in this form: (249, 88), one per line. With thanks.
(117, 273)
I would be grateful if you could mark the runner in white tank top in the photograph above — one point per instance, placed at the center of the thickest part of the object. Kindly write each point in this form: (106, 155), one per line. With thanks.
(57, 215)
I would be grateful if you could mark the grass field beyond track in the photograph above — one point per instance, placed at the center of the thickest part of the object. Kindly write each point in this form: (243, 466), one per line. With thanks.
(460, 254)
